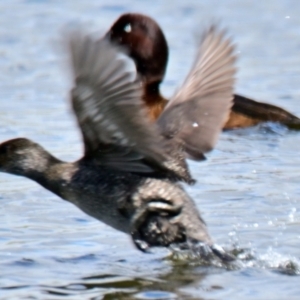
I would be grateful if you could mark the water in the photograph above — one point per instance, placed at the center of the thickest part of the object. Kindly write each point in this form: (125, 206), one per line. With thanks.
(247, 190)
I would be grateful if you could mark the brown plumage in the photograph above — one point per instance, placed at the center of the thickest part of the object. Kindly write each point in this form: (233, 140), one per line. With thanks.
(148, 47)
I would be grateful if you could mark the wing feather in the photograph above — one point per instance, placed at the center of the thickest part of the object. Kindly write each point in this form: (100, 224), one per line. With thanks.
(198, 110)
(106, 100)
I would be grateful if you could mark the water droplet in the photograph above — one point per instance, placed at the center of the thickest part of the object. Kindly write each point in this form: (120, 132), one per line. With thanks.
(291, 214)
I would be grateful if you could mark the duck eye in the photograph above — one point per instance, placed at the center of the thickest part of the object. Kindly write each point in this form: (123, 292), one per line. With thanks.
(4, 149)
(128, 28)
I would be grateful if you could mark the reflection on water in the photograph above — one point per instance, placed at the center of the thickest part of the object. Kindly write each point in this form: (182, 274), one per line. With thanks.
(248, 189)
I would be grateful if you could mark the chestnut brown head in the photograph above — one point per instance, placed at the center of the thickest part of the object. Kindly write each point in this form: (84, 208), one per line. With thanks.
(146, 44)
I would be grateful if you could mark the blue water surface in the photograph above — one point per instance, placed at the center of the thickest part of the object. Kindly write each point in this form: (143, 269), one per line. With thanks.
(248, 190)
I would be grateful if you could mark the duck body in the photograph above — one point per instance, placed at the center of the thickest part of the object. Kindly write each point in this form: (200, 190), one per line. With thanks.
(96, 191)
(150, 48)
(247, 112)
(131, 172)
(133, 204)
(128, 202)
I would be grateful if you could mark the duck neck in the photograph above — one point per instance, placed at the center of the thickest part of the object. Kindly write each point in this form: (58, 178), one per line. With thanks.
(45, 169)
(155, 103)
(52, 175)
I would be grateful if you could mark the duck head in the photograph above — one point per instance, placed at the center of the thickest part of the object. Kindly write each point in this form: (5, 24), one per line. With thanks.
(145, 43)
(23, 157)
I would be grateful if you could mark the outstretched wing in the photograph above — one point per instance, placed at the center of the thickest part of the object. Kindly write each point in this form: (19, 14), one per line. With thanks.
(107, 103)
(197, 112)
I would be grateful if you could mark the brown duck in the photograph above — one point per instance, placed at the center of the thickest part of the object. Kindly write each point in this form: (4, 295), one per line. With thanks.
(148, 47)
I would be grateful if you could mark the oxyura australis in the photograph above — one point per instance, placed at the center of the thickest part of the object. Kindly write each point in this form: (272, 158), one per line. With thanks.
(129, 176)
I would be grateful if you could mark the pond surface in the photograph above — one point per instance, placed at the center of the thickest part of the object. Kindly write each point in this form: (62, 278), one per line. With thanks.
(248, 190)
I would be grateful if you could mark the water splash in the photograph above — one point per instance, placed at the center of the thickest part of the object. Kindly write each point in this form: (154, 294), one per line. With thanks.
(235, 258)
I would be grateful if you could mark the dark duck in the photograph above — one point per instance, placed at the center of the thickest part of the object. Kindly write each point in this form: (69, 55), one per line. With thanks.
(129, 176)
(148, 47)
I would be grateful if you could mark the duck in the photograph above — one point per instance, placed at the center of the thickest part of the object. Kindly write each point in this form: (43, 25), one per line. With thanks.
(131, 173)
(148, 47)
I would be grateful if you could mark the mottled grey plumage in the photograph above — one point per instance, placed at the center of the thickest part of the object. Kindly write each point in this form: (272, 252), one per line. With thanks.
(128, 177)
